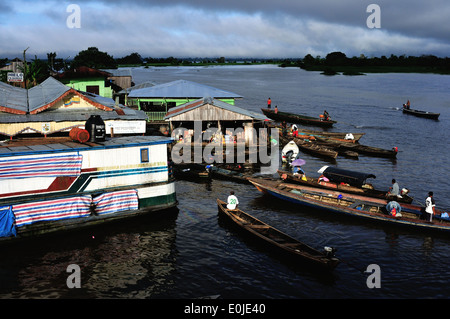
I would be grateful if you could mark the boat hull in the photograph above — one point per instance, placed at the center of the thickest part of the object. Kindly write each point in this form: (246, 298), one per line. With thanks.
(371, 193)
(77, 185)
(424, 114)
(276, 239)
(295, 118)
(355, 210)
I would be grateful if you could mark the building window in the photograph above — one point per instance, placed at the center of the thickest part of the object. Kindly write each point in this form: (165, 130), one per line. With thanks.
(144, 155)
(94, 89)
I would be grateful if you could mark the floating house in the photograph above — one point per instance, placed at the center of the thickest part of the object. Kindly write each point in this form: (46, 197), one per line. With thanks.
(55, 184)
(52, 107)
(214, 113)
(157, 100)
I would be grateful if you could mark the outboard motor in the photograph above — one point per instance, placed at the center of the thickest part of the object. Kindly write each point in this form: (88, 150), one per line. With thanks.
(96, 128)
(329, 251)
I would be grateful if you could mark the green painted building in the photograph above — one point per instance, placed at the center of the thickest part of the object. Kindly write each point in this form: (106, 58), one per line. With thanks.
(88, 80)
(158, 99)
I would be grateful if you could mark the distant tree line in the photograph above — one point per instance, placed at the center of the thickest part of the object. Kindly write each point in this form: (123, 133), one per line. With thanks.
(338, 61)
(38, 70)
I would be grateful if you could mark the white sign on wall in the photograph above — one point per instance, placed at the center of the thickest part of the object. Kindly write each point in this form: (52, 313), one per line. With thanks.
(15, 77)
(126, 127)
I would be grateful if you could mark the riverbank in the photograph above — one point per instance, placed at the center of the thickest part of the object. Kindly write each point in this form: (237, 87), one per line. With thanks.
(355, 70)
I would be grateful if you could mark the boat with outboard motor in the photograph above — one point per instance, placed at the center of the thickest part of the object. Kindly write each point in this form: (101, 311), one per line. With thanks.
(297, 118)
(362, 207)
(345, 181)
(278, 240)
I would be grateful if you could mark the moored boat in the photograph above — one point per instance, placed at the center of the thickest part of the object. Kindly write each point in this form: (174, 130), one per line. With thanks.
(289, 151)
(297, 118)
(312, 148)
(344, 181)
(350, 205)
(279, 240)
(358, 148)
(55, 184)
(424, 114)
(229, 174)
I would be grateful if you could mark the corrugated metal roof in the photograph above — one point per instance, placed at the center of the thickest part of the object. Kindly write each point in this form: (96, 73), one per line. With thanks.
(118, 72)
(45, 93)
(13, 97)
(215, 102)
(72, 116)
(181, 89)
(49, 91)
(146, 84)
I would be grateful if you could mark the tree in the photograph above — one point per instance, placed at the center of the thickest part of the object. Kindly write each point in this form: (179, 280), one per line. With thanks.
(133, 58)
(95, 59)
(336, 59)
(34, 72)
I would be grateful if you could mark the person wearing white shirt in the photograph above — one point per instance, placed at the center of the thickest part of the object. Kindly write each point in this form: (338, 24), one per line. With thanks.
(430, 207)
(232, 201)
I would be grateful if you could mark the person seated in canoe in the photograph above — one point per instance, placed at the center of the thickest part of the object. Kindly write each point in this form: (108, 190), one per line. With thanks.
(298, 171)
(394, 209)
(232, 201)
(325, 116)
(393, 190)
(323, 178)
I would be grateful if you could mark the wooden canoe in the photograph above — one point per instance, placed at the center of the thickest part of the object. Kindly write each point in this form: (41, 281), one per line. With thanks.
(312, 148)
(361, 207)
(356, 147)
(229, 174)
(349, 189)
(424, 114)
(277, 239)
(296, 118)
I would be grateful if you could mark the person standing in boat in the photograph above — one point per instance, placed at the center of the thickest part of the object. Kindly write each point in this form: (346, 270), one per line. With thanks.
(269, 103)
(430, 207)
(294, 130)
(326, 116)
(232, 201)
(276, 109)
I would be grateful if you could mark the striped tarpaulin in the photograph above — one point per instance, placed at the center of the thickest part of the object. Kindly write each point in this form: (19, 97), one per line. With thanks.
(49, 166)
(116, 201)
(71, 207)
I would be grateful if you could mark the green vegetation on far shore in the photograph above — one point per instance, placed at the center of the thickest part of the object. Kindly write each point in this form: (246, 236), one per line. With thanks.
(338, 62)
(334, 63)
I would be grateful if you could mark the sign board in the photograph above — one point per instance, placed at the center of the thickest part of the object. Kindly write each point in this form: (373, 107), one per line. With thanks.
(15, 77)
(126, 127)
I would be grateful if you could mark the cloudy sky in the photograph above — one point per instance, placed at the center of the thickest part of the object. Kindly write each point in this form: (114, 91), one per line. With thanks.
(231, 28)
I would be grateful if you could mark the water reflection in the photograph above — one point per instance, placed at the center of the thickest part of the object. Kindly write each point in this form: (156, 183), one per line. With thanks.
(127, 260)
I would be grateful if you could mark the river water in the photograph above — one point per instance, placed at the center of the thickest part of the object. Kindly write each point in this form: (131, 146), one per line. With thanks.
(191, 253)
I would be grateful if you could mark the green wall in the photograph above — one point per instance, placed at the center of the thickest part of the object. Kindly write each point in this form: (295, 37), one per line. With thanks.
(81, 85)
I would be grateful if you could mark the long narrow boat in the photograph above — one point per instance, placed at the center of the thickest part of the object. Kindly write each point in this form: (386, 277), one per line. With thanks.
(296, 118)
(312, 148)
(279, 240)
(229, 174)
(424, 114)
(358, 148)
(344, 187)
(338, 135)
(351, 205)
(56, 184)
